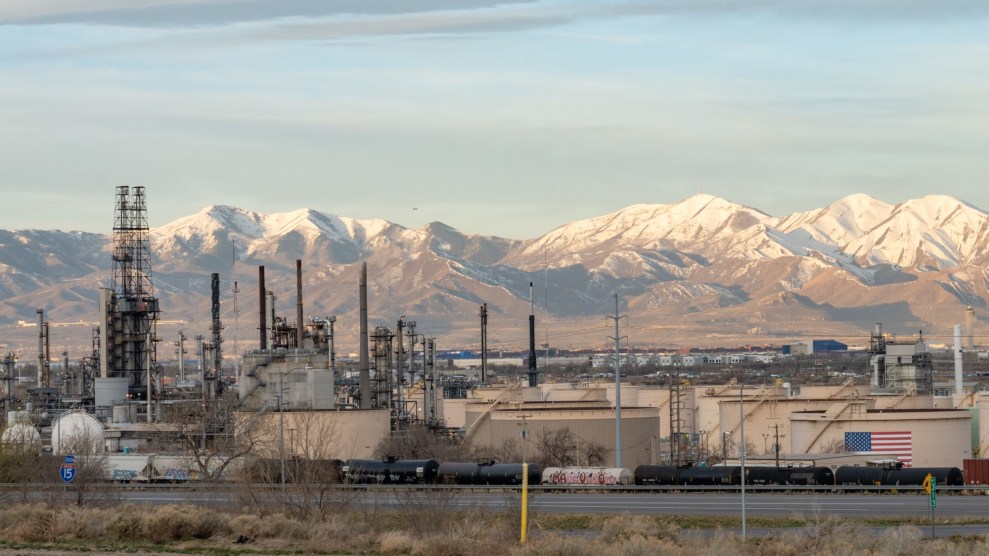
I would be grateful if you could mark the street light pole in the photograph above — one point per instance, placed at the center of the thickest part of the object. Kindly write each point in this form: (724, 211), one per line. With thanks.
(281, 426)
(741, 449)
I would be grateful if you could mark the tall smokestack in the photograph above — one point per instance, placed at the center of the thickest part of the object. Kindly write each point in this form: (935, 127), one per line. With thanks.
(300, 328)
(970, 327)
(364, 370)
(958, 360)
(263, 327)
(484, 343)
(42, 360)
(533, 375)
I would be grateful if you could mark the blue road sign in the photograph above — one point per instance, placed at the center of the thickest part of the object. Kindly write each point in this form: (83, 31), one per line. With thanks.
(68, 470)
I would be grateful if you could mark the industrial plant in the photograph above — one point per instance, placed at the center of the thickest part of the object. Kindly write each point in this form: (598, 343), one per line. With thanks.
(291, 398)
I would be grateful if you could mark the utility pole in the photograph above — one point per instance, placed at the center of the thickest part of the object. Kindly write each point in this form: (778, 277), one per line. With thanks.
(236, 291)
(777, 445)
(618, 387)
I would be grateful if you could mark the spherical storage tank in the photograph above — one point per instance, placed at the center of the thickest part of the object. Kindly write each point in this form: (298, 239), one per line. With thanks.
(78, 433)
(21, 435)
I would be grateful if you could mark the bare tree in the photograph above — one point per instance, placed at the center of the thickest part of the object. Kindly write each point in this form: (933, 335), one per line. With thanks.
(311, 468)
(213, 436)
(562, 448)
(419, 442)
(91, 469)
(833, 446)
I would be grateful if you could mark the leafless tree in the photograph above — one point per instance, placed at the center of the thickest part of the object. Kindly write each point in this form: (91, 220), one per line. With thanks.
(833, 446)
(89, 485)
(213, 435)
(419, 442)
(562, 447)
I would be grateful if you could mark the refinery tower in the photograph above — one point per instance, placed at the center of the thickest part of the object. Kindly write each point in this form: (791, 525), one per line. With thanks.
(130, 309)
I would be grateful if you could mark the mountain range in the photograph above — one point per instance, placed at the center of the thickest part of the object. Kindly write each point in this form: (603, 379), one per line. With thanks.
(702, 271)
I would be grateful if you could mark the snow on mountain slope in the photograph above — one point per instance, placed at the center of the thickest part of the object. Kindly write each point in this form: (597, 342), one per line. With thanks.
(695, 221)
(839, 223)
(930, 233)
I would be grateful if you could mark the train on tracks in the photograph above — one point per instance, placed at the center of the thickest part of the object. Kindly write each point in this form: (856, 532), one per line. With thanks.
(428, 471)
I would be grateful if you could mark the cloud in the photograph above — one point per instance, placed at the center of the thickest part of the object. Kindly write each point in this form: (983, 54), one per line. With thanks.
(211, 13)
(206, 13)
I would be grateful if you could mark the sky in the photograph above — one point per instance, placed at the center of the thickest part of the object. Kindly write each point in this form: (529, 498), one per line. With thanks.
(496, 118)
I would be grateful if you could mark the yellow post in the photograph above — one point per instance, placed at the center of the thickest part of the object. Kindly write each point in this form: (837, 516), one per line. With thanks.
(525, 500)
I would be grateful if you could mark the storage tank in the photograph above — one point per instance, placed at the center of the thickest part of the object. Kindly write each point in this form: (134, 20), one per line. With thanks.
(811, 475)
(404, 471)
(110, 391)
(391, 471)
(853, 475)
(363, 471)
(711, 476)
(586, 476)
(120, 414)
(766, 475)
(77, 433)
(455, 473)
(946, 476)
(22, 435)
(508, 474)
(655, 475)
(323, 392)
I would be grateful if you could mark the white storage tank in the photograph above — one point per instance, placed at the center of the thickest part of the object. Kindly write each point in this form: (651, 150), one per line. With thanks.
(323, 393)
(21, 434)
(77, 432)
(110, 391)
(121, 413)
(587, 476)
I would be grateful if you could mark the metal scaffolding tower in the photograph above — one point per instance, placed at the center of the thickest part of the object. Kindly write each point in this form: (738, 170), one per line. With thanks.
(131, 309)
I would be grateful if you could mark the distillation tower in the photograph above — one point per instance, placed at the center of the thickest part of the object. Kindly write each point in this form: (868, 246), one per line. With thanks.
(130, 309)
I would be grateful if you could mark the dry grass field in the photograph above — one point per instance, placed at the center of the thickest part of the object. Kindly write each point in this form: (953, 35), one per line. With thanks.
(430, 530)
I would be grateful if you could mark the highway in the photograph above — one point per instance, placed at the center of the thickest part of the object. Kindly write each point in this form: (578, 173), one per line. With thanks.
(757, 504)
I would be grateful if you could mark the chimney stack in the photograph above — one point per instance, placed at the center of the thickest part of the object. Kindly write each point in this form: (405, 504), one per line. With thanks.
(364, 370)
(264, 309)
(300, 327)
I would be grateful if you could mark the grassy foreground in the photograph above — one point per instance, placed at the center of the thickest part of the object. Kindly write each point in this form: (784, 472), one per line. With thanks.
(40, 528)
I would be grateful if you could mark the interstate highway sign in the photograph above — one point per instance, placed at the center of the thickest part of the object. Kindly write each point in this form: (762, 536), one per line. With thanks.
(68, 469)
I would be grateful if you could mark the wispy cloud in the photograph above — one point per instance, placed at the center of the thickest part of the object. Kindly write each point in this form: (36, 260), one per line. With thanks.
(207, 13)
(199, 13)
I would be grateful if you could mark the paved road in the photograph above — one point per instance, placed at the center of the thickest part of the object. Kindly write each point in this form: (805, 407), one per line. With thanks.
(670, 503)
(766, 505)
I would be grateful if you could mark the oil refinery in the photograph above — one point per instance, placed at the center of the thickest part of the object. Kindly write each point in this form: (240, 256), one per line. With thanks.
(290, 398)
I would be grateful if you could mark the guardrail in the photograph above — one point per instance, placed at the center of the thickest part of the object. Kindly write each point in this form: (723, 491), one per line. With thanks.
(573, 489)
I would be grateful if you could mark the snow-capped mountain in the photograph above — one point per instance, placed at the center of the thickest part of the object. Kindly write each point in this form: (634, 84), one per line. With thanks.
(710, 266)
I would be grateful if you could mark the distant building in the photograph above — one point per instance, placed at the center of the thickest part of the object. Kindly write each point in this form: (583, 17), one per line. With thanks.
(814, 346)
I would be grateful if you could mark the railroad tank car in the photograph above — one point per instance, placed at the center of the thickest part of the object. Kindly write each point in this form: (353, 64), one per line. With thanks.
(709, 476)
(811, 475)
(456, 473)
(854, 475)
(655, 475)
(507, 474)
(766, 475)
(391, 471)
(946, 476)
(587, 476)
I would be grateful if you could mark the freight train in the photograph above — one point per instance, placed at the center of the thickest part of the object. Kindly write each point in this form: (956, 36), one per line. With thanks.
(397, 472)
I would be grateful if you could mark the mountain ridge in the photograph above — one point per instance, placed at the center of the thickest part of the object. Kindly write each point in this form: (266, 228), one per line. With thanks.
(703, 262)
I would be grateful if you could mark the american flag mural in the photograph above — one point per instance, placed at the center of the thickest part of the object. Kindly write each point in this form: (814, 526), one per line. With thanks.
(899, 443)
